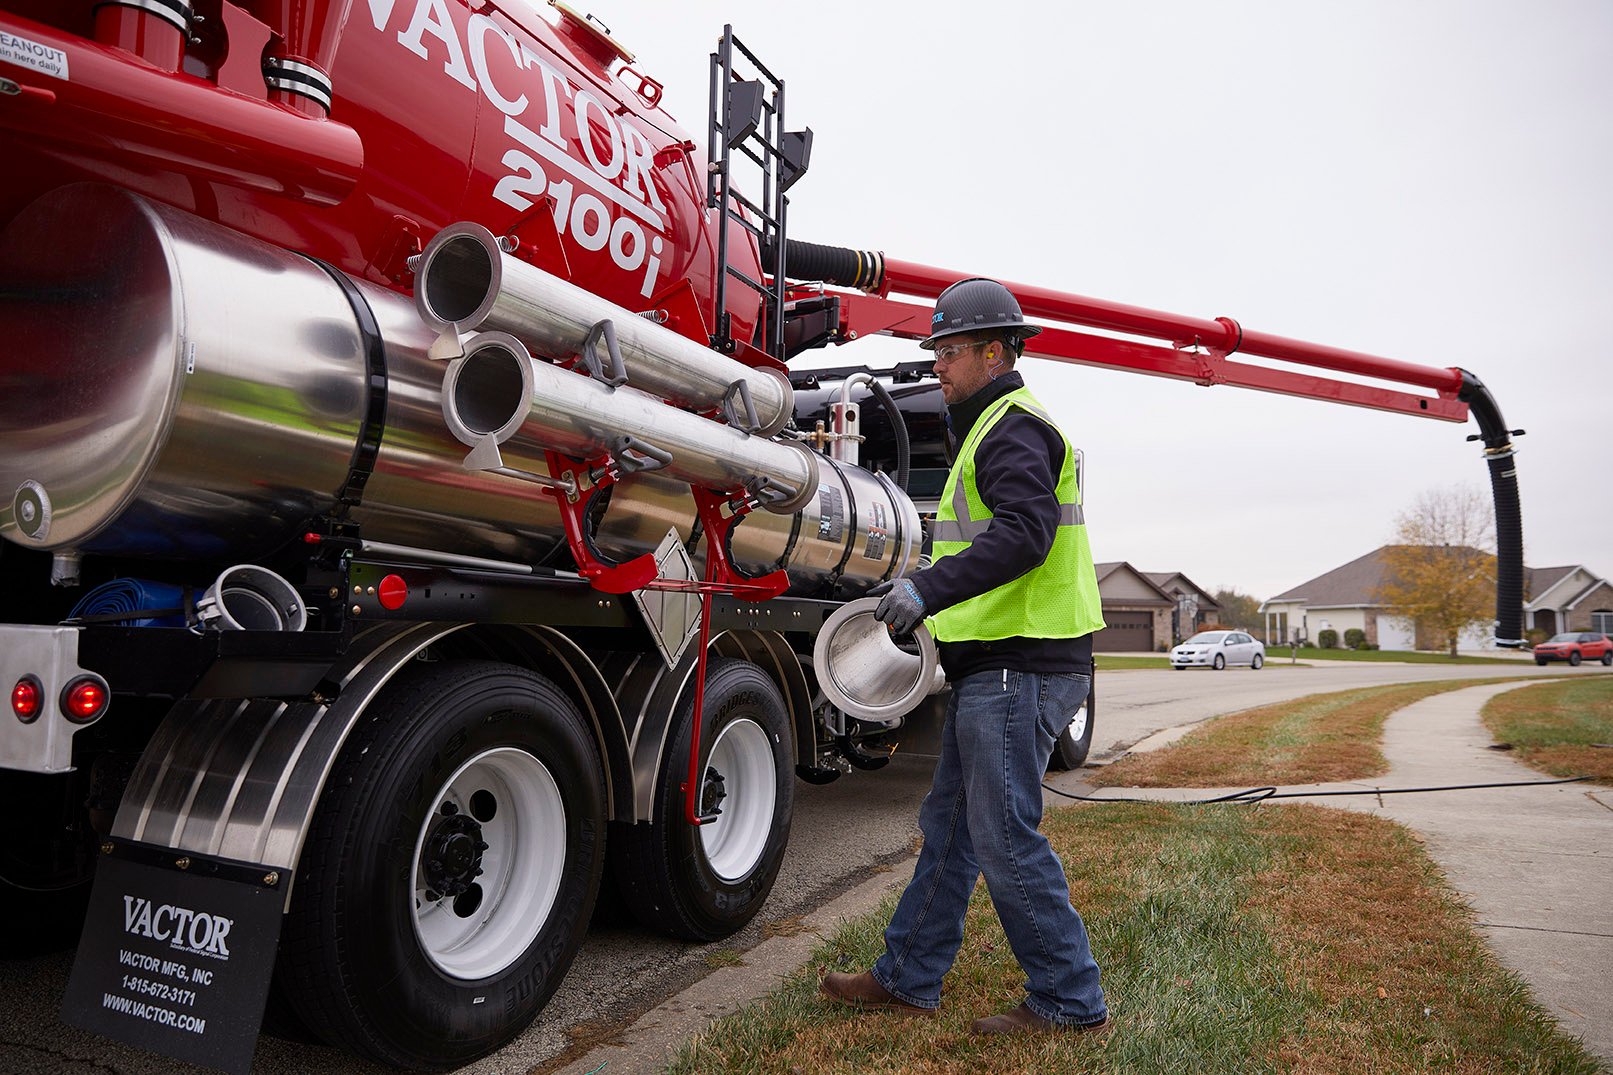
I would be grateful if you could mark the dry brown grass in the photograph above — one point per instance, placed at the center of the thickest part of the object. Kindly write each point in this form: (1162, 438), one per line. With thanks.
(1232, 940)
(1312, 740)
(1401, 982)
(1553, 726)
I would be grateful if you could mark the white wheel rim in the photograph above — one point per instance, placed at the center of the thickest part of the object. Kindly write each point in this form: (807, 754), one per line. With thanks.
(522, 864)
(743, 757)
(1078, 726)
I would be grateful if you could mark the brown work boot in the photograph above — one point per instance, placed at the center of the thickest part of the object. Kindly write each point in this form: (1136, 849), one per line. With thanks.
(1024, 1021)
(864, 991)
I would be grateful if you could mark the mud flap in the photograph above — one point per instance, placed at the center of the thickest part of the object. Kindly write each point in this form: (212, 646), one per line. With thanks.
(177, 953)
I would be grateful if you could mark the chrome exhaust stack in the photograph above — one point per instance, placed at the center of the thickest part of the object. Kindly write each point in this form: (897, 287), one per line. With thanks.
(512, 409)
(465, 282)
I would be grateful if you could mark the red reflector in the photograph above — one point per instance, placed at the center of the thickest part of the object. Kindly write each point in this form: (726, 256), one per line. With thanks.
(26, 698)
(84, 699)
(392, 593)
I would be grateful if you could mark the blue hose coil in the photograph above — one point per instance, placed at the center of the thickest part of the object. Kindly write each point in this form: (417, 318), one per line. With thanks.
(134, 596)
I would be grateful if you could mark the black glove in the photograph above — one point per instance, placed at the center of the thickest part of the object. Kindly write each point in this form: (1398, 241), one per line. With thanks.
(901, 608)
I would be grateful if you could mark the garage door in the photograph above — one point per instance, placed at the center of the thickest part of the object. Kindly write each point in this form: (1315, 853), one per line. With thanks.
(1393, 636)
(1128, 632)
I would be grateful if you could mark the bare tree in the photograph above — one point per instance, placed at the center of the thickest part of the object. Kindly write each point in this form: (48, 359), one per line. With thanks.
(1440, 573)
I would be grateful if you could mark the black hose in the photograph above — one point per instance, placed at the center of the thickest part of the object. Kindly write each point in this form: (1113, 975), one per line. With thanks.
(1500, 455)
(864, 269)
(1509, 551)
(1261, 794)
(904, 451)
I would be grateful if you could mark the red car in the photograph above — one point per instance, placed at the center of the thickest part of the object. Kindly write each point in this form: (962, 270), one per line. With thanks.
(1575, 646)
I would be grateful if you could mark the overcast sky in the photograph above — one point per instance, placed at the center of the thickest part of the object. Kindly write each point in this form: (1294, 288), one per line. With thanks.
(1426, 181)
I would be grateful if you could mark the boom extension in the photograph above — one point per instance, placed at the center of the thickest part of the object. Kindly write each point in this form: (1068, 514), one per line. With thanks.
(1198, 350)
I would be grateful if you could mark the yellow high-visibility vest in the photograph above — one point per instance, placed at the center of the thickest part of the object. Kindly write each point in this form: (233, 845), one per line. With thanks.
(1056, 599)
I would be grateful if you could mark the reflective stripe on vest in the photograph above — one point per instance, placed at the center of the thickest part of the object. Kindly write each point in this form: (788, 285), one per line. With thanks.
(1056, 599)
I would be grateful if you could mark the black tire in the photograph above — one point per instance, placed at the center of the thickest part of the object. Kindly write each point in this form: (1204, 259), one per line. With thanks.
(449, 759)
(666, 874)
(1180, 667)
(1607, 657)
(1257, 661)
(1541, 661)
(1070, 749)
(53, 919)
(1573, 659)
(1220, 662)
(47, 862)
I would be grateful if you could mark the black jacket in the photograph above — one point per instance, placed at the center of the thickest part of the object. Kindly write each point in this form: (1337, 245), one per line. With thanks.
(1016, 471)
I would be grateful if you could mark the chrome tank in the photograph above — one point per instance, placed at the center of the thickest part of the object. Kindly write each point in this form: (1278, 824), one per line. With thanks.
(195, 394)
(858, 529)
(177, 390)
(465, 282)
(172, 408)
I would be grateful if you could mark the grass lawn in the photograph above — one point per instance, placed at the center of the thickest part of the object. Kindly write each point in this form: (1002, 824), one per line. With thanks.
(1309, 740)
(1313, 653)
(1553, 726)
(1232, 940)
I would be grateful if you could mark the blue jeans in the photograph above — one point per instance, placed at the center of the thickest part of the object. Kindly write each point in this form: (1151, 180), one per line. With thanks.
(981, 816)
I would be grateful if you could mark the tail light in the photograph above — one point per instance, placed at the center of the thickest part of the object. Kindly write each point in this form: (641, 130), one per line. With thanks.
(84, 699)
(26, 699)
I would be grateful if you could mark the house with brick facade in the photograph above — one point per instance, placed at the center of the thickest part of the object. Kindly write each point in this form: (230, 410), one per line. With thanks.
(1194, 605)
(1566, 599)
(1136, 611)
(1556, 599)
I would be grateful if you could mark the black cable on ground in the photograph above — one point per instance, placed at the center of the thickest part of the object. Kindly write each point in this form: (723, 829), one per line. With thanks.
(1255, 795)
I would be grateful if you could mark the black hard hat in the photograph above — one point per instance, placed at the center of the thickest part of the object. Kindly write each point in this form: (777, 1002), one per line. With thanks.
(977, 305)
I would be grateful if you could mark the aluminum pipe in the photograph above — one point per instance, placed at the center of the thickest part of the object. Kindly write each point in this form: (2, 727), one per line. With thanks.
(465, 282)
(499, 394)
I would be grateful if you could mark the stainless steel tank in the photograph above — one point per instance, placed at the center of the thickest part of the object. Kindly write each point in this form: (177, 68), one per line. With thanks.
(177, 390)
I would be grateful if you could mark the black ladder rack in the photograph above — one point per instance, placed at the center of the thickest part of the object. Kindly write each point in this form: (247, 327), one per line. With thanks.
(747, 115)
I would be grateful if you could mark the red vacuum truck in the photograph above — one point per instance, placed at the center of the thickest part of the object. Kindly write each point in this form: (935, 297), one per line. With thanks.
(411, 521)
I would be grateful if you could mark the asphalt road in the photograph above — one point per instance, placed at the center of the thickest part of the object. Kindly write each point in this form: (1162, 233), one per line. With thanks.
(842, 832)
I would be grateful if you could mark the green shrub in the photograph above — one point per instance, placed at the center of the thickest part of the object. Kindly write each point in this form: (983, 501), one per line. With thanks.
(1327, 638)
(1367, 645)
(1355, 638)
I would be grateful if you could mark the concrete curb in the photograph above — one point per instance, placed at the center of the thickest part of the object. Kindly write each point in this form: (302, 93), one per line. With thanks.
(649, 1044)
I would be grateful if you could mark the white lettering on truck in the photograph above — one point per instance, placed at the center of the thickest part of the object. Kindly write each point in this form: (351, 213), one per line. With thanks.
(614, 158)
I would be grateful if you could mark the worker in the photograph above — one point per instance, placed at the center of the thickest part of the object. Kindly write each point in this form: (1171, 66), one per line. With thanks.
(1012, 600)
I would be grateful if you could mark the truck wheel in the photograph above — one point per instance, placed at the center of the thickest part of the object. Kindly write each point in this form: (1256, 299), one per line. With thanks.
(1070, 749)
(53, 919)
(47, 863)
(707, 882)
(453, 862)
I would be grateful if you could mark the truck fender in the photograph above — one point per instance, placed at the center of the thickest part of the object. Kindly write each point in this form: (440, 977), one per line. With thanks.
(239, 778)
(647, 694)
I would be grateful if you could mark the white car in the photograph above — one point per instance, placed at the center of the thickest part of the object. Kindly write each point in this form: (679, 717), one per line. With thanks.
(1217, 649)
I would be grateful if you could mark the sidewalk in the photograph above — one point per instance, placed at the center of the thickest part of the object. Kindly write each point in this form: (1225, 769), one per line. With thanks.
(1535, 863)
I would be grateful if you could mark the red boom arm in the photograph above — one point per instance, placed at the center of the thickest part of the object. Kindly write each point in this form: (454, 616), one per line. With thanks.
(1199, 350)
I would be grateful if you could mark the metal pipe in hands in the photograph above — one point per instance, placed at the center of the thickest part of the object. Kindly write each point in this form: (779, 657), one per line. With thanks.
(466, 282)
(511, 409)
